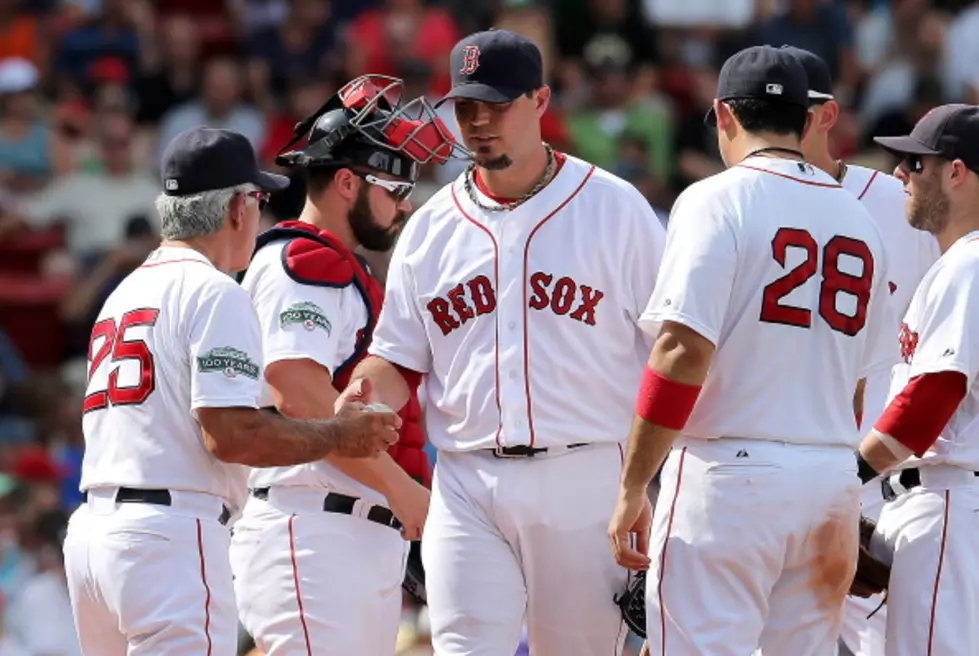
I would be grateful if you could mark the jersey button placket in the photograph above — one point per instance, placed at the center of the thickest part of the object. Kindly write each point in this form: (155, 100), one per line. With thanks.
(510, 324)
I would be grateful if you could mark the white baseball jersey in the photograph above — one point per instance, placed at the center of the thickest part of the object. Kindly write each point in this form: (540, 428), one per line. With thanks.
(525, 321)
(176, 335)
(910, 253)
(303, 322)
(784, 272)
(939, 334)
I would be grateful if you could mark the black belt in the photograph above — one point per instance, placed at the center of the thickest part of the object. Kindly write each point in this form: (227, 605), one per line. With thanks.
(526, 451)
(343, 504)
(908, 478)
(157, 498)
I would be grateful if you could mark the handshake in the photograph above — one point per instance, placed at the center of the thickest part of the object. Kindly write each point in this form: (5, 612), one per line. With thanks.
(367, 428)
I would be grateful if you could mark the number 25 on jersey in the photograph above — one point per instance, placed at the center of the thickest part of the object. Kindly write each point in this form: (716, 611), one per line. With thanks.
(834, 282)
(109, 337)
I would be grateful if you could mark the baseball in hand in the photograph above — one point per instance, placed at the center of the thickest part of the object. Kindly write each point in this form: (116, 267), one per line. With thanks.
(377, 407)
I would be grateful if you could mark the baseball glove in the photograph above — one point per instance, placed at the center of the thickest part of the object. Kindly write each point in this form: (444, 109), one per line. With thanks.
(414, 582)
(873, 575)
(633, 604)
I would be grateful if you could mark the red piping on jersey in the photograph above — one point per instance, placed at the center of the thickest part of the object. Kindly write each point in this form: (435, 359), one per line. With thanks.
(789, 177)
(496, 286)
(526, 256)
(938, 576)
(207, 589)
(295, 580)
(869, 182)
(662, 554)
(147, 265)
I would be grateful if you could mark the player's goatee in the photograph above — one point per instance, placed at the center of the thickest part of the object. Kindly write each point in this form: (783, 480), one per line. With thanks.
(497, 163)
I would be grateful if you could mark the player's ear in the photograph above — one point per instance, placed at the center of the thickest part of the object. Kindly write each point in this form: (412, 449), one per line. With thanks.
(828, 114)
(543, 99)
(236, 211)
(346, 183)
(724, 118)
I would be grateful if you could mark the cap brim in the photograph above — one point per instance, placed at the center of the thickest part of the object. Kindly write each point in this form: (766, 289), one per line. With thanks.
(905, 146)
(272, 181)
(482, 92)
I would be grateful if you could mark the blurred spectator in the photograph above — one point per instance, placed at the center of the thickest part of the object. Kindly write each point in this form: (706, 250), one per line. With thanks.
(901, 119)
(595, 131)
(299, 48)
(39, 614)
(97, 205)
(817, 26)
(170, 70)
(402, 30)
(961, 53)
(220, 106)
(587, 24)
(29, 150)
(16, 564)
(15, 426)
(109, 35)
(21, 35)
(697, 155)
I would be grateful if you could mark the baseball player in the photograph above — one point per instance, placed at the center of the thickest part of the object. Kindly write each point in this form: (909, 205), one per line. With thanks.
(773, 282)
(515, 293)
(910, 252)
(926, 441)
(171, 414)
(311, 530)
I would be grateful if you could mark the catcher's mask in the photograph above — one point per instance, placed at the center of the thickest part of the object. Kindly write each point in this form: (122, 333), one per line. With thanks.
(365, 125)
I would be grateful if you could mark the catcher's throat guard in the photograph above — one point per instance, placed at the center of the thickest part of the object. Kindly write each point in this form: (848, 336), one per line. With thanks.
(367, 124)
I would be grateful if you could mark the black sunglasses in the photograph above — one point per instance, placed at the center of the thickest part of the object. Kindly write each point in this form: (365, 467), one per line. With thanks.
(914, 163)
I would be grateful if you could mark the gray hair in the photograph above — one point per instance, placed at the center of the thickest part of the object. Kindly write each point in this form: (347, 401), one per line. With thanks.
(197, 215)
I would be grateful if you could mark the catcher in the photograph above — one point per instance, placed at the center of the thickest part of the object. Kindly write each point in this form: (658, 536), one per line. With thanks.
(319, 554)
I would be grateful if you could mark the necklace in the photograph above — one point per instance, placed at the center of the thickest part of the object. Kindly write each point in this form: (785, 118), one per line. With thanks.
(469, 183)
(842, 174)
(775, 149)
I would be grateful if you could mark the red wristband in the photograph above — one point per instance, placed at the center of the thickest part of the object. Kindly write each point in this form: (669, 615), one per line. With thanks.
(665, 402)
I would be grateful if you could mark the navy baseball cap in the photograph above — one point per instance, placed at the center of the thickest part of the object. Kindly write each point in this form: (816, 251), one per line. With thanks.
(495, 66)
(817, 72)
(762, 72)
(948, 131)
(205, 159)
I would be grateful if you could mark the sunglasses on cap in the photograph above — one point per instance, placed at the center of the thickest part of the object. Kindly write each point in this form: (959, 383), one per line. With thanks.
(397, 189)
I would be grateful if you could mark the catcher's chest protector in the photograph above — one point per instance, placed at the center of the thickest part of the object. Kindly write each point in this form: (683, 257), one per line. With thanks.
(315, 257)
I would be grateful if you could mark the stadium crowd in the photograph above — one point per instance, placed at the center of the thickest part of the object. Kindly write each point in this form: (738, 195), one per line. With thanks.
(91, 91)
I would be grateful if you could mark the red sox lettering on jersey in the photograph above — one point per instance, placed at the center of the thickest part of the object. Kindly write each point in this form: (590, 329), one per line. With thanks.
(476, 297)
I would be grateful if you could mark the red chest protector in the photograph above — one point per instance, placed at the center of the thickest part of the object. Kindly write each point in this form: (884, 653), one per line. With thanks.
(318, 258)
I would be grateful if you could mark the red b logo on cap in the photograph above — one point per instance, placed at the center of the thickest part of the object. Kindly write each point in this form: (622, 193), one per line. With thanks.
(470, 60)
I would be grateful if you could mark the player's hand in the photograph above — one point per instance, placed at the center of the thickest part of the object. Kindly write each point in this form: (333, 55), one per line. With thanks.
(409, 503)
(359, 391)
(365, 432)
(633, 516)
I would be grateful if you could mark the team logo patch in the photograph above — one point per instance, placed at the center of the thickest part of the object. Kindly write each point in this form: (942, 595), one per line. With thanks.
(308, 315)
(229, 361)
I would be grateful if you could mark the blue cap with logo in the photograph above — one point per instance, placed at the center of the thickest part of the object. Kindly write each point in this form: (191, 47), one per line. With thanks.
(765, 73)
(495, 66)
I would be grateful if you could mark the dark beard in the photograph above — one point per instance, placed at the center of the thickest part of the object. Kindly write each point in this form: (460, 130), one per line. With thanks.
(366, 231)
(497, 163)
(930, 211)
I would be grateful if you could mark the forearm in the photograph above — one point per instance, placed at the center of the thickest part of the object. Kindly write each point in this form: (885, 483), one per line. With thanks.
(382, 474)
(264, 439)
(682, 358)
(388, 384)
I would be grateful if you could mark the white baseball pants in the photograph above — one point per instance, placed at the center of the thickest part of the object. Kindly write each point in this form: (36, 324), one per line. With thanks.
(933, 533)
(754, 545)
(314, 583)
(149, 580)
(514, 539)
